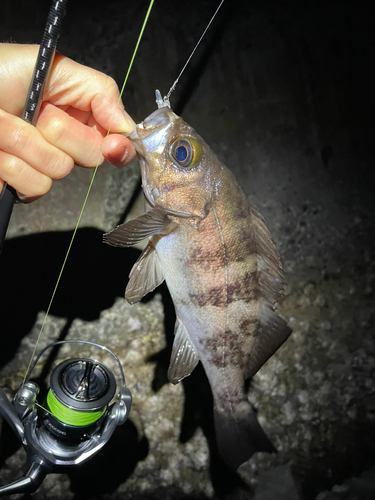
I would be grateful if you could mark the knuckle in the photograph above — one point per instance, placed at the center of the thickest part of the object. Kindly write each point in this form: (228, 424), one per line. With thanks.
(16, 134)
(108, 86)
(39, 186)
(22, 177)
(9, 166)
(44, 185)
(61, 166)
(103, 80)
(18, 140)
(55, 130)
(111, 84)
(4, 119)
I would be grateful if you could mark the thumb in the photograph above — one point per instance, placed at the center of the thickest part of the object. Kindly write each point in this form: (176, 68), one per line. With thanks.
(108, 110)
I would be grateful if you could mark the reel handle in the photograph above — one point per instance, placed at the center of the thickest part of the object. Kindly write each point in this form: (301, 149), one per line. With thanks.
(28, 483)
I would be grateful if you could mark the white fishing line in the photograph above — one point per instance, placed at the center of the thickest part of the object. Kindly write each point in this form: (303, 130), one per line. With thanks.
(166, 98)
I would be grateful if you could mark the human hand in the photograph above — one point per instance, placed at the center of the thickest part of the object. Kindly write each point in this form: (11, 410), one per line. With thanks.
(79, 106)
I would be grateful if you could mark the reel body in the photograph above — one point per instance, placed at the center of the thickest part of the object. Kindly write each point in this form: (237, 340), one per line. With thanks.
(78, 419)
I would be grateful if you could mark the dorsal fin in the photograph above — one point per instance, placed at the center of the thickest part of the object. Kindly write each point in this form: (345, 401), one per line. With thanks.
(272, 330)
(271, 275)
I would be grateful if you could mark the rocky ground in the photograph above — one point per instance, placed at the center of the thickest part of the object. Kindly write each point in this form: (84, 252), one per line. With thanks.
(281, 91)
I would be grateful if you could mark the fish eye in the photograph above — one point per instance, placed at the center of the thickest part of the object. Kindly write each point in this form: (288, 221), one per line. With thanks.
(181, 153)
(185, 152)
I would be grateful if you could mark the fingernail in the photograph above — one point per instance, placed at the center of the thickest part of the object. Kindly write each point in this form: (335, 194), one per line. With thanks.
(21, 198)
(118, 153)
(125, 122)
(130, 122)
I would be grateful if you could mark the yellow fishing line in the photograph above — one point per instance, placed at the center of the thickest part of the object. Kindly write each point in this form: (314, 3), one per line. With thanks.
(42, 407)
(72, 417)
(89, 189)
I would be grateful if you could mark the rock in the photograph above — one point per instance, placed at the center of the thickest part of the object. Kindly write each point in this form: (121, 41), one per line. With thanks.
(278, 483)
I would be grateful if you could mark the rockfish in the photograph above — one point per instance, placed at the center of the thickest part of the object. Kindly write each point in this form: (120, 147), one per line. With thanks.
(221, 267)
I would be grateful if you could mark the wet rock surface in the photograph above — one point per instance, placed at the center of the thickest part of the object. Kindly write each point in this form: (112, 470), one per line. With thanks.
(281, 91)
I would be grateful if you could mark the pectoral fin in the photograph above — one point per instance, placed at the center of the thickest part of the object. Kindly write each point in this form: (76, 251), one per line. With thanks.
(145, 275)
(184, 357)
(134, 231)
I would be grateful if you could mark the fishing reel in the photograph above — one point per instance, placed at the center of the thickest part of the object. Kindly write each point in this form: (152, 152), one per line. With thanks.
(75, 421)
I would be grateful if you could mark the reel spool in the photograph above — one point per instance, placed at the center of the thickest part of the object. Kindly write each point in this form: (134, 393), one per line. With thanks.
(78, 398)
(77, 422)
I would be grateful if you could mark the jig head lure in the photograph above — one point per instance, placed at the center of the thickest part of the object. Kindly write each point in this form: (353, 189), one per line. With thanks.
(77, 419)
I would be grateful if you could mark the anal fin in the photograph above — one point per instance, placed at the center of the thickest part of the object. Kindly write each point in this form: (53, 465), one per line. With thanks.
(184, 357)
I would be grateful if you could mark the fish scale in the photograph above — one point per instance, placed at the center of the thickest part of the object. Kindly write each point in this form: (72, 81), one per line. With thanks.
(221, 267)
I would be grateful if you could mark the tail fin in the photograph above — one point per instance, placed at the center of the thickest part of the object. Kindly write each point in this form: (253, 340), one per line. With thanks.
(239, 435)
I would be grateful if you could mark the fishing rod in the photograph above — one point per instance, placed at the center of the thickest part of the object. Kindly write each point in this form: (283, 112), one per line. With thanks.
(46, 54)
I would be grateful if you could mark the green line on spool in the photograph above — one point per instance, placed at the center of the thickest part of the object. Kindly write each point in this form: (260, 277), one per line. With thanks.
(72, 417)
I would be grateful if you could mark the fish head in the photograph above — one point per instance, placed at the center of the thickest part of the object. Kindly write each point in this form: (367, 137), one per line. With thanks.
(179, 170)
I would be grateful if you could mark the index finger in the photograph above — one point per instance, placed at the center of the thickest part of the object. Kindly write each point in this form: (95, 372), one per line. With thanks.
(88, 90)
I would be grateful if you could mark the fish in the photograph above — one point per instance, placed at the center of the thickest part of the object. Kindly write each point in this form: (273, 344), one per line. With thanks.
(221, 266)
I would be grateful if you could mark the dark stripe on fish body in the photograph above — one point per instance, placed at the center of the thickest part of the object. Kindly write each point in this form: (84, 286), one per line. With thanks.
(234, 349)
(247, 323)
(210, 256)
(245, 288)
(215, 296)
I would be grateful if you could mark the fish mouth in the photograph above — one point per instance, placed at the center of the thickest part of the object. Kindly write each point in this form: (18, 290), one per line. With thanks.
(149, 134)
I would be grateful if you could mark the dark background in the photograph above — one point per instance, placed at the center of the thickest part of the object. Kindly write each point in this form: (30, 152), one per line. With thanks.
(283, 92)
